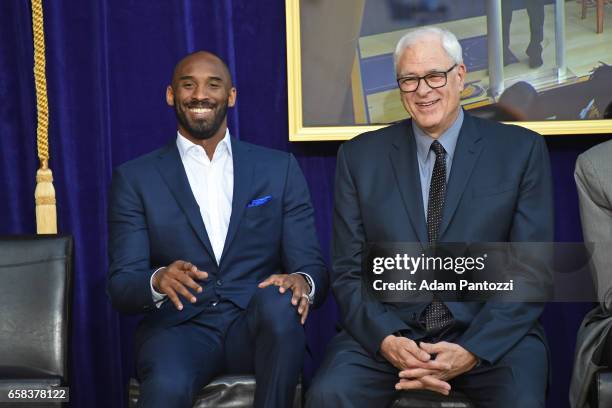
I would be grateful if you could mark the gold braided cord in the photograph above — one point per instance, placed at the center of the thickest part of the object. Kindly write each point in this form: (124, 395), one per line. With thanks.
(46, 216)
(42, 130)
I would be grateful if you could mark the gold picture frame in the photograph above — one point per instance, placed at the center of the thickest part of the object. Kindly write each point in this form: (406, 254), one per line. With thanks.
(299, 132)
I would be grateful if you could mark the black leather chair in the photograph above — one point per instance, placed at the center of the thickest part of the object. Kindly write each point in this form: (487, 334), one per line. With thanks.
(600, 391)
(429, 399)
(229, 391)
(35, 295)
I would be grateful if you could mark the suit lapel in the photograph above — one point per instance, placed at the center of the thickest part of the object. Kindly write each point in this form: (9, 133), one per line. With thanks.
(469, 146)
(406, 171)
(244, 170)
(173, 173)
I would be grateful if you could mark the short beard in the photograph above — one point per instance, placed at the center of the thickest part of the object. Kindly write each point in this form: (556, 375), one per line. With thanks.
(201, 129)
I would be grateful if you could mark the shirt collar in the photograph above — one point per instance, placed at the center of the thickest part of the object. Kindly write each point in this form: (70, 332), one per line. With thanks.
(448, 139)
(184, 145)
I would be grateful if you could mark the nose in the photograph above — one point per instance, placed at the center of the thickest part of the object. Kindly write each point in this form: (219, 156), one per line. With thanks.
(199, 93)
(423, 88)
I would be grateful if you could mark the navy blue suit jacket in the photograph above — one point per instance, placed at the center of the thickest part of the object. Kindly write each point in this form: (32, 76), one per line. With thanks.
(499, 190)
(154, 220)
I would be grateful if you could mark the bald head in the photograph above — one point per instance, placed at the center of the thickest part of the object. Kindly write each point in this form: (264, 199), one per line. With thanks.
(200, 93)
(202, 57)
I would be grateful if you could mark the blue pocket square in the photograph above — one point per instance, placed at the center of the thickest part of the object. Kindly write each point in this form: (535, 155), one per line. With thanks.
(259, 201)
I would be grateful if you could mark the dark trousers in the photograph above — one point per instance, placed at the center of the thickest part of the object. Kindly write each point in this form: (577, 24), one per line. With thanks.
(350, 377)
(535, 11)
(266, 339)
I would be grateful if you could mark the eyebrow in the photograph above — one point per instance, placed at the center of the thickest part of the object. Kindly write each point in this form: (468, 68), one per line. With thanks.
(191, 77)
(411, 74)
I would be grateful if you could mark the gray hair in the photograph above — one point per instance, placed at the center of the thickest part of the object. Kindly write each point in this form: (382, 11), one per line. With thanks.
(449, 41)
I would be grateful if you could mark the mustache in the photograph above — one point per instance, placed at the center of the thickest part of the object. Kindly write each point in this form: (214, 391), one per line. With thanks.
(201, 104)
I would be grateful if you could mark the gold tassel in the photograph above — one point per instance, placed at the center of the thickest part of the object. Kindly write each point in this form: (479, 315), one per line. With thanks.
(46, 219)
(46, 214)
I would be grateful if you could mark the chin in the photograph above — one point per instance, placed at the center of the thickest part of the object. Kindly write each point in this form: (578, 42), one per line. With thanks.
(428, 123)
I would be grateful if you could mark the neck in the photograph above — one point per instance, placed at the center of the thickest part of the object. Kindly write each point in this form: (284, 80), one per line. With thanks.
(209, 144)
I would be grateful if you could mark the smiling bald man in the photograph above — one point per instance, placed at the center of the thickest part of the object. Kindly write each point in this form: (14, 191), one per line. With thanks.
(213, 241)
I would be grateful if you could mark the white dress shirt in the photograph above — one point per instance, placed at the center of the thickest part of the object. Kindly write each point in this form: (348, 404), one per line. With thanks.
(212, 184)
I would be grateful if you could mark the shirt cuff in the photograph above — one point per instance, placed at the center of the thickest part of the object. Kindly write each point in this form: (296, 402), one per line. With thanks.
(158, 298)
(311, 283)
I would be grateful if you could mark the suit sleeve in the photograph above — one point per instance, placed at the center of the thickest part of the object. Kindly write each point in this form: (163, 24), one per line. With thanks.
(300, 246)
(498, 326)
(366, 319)
(128, 284)
(596, 217)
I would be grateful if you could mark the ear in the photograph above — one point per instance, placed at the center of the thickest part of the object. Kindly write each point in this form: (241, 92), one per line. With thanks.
(231, 100)
(170, 95)
(462, 72)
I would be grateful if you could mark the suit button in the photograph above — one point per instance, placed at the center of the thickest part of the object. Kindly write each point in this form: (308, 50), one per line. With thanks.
(219, 282)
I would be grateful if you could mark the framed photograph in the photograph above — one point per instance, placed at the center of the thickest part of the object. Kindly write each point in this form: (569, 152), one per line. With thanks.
(542, 64)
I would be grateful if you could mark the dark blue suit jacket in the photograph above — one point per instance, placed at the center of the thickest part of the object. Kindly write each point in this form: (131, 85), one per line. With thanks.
(154, 220)
(499, 190)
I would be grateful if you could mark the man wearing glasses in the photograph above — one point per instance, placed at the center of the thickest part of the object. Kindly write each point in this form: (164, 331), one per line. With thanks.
(441, 176)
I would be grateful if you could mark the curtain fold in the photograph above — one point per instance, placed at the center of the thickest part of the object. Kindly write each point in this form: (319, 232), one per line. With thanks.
(17, 118)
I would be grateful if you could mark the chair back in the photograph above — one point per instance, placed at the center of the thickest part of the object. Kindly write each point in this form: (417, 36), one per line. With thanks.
(35, 297)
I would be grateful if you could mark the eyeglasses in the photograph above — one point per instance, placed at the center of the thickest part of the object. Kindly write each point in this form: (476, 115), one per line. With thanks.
(433, 79)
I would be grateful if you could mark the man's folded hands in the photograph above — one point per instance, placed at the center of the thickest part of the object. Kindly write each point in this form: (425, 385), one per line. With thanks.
(427, 366)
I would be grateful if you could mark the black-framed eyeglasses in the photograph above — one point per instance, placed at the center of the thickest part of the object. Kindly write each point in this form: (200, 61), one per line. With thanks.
(433, 79)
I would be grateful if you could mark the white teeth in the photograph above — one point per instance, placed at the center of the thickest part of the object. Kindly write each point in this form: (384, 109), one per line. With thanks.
(427, 103)
(200, 110)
